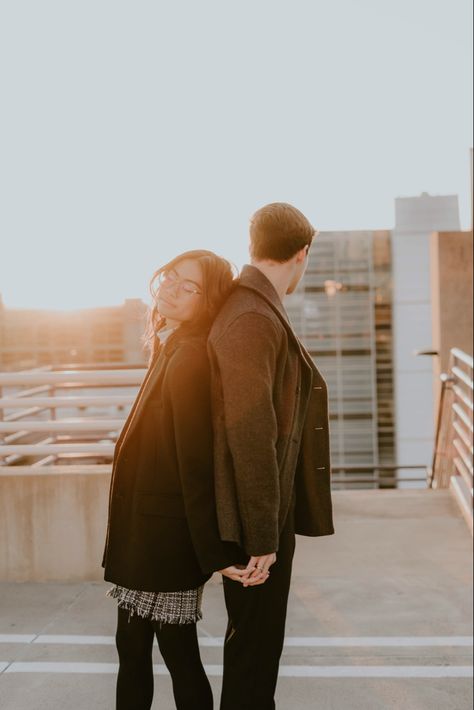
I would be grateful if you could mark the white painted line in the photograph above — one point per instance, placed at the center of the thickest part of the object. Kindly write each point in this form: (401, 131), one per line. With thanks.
(51, 667)
(76, 640)
(285, 671)
(364, 641)
(17, 638)
(376, 672)
(290, 641)
(3, 665)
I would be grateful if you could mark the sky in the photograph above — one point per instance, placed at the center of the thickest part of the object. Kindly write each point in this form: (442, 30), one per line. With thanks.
(133, 131)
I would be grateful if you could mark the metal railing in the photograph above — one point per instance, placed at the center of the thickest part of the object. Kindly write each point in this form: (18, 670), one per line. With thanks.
(453, 454)
(28, 431)
(28, 434)
(379, 476)
(35, 434)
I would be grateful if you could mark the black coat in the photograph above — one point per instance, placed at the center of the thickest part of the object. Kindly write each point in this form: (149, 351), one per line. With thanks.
(162, 532)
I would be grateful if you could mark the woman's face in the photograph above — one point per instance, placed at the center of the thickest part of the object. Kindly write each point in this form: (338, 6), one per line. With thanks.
(180, 292)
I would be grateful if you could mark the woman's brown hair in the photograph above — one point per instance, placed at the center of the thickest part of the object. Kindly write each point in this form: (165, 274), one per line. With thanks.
(218, 280)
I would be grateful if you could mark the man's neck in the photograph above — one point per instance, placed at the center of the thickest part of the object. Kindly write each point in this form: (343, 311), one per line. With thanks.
(279, 275)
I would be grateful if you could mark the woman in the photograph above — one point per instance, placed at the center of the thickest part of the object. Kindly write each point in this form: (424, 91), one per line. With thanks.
(162, 538)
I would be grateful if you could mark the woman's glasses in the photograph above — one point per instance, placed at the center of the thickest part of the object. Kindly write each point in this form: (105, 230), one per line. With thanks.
(170, 279)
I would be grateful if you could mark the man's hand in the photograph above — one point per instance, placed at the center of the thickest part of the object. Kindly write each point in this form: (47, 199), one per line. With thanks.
(258, 570)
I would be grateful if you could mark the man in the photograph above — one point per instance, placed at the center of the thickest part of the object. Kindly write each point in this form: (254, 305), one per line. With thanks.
(272, 464)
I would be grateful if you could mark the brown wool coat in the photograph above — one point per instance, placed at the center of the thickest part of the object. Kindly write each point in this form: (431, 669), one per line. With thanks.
(271, 425)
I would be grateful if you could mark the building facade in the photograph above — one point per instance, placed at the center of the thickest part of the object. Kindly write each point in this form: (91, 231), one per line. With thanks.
(98, 336)
(364, 309)
(416, 218)
(342, 312)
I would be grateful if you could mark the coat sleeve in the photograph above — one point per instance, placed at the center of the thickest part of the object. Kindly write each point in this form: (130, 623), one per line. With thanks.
(246, 356)
(189, 391)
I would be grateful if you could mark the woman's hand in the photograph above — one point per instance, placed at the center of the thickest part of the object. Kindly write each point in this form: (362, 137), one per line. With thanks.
(256, 572)
(258, 569)
(234, 572)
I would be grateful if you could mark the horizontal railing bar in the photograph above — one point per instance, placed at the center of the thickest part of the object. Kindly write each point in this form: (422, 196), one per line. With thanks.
(105, 377)
(10, 459)
(378, 481)
(464, 436)
(69, 455)
(460, 394)
(66, 402)
(57, 470)
(463, 454)
(459, 411)
(462, 376)
(64, 425)
(43, 450)
(33, 391)
(99, 366)
(381, 467)
(463, 472)
(464, 357)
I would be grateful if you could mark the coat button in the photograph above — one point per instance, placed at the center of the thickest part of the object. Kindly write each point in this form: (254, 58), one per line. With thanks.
(318, 428)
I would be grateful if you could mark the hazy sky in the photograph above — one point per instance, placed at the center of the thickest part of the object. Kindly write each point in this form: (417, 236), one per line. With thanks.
(132, 131)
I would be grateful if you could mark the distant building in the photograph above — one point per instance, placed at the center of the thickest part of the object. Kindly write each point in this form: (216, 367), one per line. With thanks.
(416, 218)
(342, 312)
(368, 302)
(32, 338)
(363, 310)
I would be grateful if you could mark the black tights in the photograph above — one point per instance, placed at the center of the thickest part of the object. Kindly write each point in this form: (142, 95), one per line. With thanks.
(180, 650)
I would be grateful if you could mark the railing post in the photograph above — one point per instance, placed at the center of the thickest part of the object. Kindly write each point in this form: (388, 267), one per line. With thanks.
(445, 381)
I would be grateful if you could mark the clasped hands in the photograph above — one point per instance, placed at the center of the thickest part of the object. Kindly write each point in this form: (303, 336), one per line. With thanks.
(256, 572)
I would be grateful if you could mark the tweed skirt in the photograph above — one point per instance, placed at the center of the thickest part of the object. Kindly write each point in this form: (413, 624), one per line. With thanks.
(166, 607)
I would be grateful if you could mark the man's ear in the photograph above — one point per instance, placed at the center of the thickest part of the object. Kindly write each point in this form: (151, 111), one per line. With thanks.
(301, 255)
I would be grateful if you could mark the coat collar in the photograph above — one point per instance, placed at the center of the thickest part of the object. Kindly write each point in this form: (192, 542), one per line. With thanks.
(252, 278)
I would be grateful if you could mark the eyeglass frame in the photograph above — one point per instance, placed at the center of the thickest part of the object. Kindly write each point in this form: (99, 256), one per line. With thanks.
(167, 282)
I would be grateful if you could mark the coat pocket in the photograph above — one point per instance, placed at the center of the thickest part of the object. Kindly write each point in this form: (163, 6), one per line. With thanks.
(166, 506)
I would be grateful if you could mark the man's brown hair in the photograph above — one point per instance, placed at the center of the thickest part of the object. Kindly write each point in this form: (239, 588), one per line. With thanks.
(278, 231)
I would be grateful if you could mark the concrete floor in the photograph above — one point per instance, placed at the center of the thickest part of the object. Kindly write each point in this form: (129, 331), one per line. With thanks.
(397, 574)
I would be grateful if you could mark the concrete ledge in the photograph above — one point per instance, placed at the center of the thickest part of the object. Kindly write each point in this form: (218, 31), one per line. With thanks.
(53, 522)
(53, 519)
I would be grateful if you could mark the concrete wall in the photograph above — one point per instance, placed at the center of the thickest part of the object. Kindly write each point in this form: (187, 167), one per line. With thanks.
(53, 522)
(451, 288)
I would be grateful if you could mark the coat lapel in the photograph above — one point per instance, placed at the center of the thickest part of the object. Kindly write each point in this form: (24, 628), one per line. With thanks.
(152, 377)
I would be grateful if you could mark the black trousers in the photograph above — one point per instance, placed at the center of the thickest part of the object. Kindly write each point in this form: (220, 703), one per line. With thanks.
(180, 650)
(256, 632)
